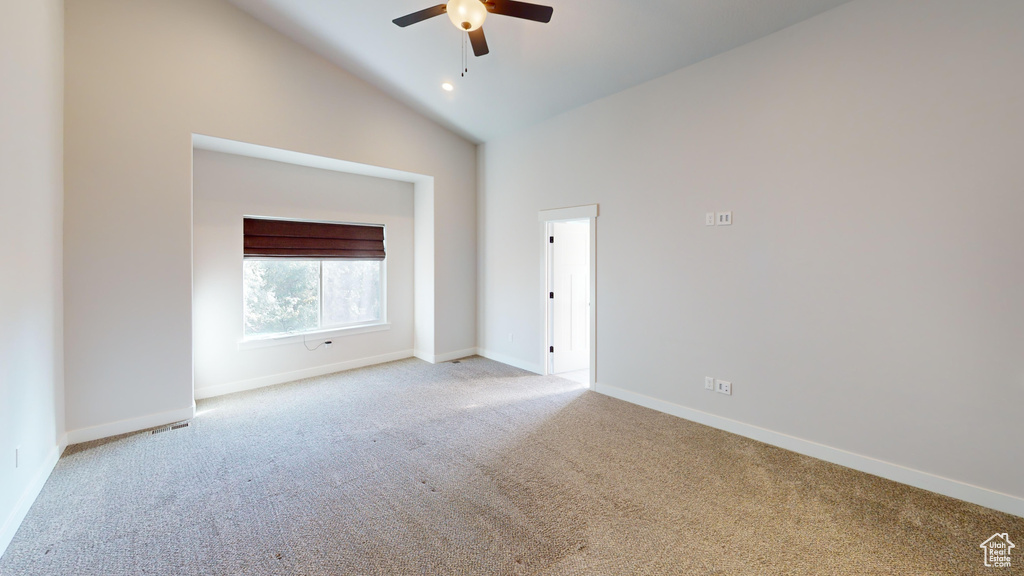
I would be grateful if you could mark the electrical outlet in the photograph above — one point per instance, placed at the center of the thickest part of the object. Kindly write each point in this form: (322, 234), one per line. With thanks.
(723, 387)
(725, 218)
(709, 219)
(709, 383)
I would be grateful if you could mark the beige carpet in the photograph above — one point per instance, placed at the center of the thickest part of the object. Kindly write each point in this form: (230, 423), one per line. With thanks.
(475, 468)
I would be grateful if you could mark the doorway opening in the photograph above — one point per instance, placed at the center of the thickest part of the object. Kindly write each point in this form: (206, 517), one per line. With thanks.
(569, 297)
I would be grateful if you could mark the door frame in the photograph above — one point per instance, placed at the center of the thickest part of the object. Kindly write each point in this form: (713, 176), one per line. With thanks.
(546, 218)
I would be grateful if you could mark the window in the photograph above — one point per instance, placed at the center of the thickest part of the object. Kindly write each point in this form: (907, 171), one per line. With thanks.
(310, 276)
(287, 296)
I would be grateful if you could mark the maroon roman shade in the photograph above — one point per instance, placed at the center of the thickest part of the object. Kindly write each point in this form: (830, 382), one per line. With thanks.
(265, 238)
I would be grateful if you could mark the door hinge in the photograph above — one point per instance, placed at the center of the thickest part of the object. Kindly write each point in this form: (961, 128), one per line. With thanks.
(551, 294)
(551, 239)
(551, 349)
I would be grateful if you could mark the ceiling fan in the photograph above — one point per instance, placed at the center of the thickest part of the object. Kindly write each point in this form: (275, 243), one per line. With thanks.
(469, 15)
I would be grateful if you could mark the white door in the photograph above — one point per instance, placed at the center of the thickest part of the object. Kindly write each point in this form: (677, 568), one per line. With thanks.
(570, 305)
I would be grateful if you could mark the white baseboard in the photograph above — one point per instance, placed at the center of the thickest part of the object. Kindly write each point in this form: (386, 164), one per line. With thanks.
(446, 357)
(924, 480)
(273, 379)
(505, 359)
(130, 425)
(13, 521)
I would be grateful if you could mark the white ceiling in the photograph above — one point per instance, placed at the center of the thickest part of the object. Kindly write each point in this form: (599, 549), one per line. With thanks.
(590, 49)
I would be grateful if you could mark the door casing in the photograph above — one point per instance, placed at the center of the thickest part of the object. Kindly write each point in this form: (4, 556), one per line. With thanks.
(546, 218)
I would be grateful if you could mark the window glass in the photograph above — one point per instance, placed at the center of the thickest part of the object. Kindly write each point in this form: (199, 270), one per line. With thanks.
(281, 296)
(351, 292)
(290, 296)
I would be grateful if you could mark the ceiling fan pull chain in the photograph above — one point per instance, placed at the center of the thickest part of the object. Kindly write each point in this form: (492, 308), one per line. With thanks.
(465, 63)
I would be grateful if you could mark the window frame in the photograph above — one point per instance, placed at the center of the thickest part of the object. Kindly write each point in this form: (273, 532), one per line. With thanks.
(321, 332)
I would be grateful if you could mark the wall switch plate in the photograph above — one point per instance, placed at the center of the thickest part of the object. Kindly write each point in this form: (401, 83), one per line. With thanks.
(723, 387)
(511, 337)
(709, 219)
(725, 218)
(709, 383)
(17, 456)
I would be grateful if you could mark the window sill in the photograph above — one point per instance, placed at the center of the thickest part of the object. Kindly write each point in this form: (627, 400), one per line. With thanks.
(311, 337)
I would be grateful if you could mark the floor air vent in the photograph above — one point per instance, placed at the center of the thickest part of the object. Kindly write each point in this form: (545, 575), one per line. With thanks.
(170, 427)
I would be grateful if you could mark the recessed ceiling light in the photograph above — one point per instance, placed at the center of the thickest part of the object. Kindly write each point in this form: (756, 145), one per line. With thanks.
(448, 87)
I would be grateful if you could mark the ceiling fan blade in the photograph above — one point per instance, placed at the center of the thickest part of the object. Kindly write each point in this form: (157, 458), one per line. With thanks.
(523, 10)
(476, 38)
(420, 16)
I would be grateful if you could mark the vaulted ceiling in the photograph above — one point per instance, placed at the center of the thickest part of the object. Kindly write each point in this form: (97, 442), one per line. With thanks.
(590, 49)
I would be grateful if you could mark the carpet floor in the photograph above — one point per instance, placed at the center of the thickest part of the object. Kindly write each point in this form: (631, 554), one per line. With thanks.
(475, 468)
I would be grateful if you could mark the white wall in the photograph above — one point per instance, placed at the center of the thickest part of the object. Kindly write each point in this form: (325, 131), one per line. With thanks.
(31, 191)
(142, 76)
(227, 188)
(868, 297)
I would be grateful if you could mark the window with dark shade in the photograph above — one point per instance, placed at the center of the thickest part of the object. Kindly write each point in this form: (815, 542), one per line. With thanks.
(309, 276)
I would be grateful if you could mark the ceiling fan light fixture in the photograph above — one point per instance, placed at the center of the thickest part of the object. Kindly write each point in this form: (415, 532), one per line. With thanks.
(468, 15)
